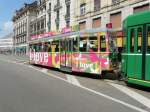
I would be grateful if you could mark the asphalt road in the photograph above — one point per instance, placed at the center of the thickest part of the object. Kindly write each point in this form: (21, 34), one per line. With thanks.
(24, 89)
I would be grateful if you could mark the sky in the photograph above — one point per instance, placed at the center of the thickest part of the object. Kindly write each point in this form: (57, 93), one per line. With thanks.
(7, 9)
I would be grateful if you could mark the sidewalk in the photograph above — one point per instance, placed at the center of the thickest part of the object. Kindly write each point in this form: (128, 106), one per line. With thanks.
(21, 57)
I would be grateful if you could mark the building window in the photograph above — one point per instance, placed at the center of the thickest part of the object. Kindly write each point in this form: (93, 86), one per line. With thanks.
(96, 23)
(67, 17)
(57, 20)
(115, 19)
(49, 22)
(82, 25)
(42, 24)
(68, 11)
(97, 5)
(50, 6)
(82, 9)
(141, 8)
(115, 1)
(38, 25)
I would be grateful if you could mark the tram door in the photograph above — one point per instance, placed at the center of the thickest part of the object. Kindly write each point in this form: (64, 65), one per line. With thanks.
(135, 52)
(147, 67)
(66, 55)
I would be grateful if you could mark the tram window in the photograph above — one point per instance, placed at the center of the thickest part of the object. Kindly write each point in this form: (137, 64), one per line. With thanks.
(75, 44)
(42, 47)
(56, 44)
(148, 40)
(93, 44)
(34, 47)
(139, 40)
(45, 47)
(49, 47)
(132, 41)
(102, 43)
(83, 44)
(70, 46)
(38, 48)
(63, 46)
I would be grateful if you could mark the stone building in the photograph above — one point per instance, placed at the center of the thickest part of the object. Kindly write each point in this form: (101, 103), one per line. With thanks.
(21, 22)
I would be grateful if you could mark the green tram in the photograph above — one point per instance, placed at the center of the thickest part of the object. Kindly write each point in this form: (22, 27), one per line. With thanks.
(136, 55)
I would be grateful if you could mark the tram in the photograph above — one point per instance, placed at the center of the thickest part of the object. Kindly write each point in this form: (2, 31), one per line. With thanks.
(89, 51)
(136, 55)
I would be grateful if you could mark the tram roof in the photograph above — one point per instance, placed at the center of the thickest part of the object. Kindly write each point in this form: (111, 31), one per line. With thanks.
(71, 34)
(137, 19)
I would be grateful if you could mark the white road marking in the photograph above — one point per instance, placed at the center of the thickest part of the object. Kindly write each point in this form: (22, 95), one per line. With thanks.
(72, 79)
(138, 97)
(97, 93)
(44, 70)
(111, 81)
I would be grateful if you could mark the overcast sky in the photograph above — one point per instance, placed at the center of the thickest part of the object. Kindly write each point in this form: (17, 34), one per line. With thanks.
(7, 9)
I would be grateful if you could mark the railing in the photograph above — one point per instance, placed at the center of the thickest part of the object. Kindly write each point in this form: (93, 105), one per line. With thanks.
(67, 2)
(96, 8)
(57, 6)
(57, 20)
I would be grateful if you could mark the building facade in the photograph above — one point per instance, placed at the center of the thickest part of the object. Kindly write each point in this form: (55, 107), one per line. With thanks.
(21, 30)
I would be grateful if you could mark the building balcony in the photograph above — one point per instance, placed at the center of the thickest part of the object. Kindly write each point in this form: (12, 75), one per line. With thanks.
(116, 4)
(49, 24)
(49, 11)
(67, 2)
(57, 6)
(96, 8)
(67, 17)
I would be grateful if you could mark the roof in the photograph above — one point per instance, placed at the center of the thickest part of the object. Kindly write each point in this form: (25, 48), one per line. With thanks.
(71, 34)
(137, 19)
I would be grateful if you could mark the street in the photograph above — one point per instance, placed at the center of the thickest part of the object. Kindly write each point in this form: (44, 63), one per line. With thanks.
(29, 88)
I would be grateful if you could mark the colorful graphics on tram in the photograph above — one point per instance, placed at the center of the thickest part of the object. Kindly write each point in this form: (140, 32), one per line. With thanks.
(87, 51)
(89, 62)
(45, 58)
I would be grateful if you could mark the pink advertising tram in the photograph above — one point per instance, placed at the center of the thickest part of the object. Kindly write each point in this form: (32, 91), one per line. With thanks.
(88, 51)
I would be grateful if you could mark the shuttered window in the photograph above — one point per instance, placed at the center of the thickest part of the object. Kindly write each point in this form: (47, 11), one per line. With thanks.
(141, 8)
(96, 22)
(82, 25)
(115, 19)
